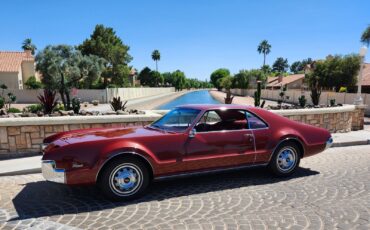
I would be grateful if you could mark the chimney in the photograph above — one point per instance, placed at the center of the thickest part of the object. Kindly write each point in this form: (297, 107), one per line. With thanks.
(280, 78)
(28, 53)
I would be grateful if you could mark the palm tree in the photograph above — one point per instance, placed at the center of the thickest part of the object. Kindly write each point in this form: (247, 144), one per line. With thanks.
(365, 38)
(156, 56)
(27, 45)
(265, 48)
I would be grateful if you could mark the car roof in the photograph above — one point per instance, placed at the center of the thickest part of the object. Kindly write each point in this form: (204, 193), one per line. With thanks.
(213, 106)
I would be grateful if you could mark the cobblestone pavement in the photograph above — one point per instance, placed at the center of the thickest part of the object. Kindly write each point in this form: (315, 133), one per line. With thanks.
(330, 191)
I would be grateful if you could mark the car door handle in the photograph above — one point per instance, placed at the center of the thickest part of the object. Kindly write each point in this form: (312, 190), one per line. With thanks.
(249, 136)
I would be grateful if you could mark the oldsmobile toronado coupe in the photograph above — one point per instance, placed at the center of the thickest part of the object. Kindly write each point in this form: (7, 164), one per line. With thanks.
(187, 140)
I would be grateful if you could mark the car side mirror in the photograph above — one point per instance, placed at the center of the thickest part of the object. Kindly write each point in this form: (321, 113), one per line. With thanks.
(192, 133)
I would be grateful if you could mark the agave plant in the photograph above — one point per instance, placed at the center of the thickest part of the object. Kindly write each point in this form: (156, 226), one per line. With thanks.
(116, 104)
(48, 101)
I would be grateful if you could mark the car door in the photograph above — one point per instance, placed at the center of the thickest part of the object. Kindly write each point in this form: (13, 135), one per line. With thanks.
(262, 135)
(220, 141)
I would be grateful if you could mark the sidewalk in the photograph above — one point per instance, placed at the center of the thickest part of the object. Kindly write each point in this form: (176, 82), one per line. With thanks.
(29, 165)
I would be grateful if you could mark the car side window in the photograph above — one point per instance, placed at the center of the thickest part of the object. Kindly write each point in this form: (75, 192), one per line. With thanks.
(221, 120)
(255, 122)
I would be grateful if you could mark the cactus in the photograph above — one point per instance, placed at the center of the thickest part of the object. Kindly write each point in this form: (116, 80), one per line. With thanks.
(116, 104)
(332, 102)
(76, 105)
(302, 101)
(257, 95)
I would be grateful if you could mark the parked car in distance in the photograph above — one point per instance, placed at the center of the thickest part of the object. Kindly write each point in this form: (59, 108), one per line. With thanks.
(187, 140)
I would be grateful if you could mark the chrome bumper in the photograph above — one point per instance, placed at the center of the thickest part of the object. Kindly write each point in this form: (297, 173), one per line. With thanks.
(329, 143)
(51, 173)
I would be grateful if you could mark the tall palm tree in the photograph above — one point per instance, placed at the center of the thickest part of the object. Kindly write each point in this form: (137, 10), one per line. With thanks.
(365, 38)
(265, 48)
(27, 45)
(156, 56)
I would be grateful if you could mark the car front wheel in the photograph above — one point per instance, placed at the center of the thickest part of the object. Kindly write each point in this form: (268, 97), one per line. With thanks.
(124, 179)
(285, 160)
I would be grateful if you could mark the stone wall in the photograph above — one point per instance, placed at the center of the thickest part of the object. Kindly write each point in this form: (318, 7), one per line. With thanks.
(337, 119)
(24, 136)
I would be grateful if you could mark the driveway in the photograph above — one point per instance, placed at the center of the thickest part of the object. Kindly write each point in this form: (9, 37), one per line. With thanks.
(330, 190)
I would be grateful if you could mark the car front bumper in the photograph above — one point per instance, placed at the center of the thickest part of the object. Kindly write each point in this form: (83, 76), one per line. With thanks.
(51, 173)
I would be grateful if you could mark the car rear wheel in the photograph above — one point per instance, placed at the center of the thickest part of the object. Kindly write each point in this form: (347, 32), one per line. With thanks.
(124, 179)
(285, 160)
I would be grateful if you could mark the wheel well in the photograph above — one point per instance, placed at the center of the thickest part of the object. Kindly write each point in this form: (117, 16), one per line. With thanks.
(295, 141)
(129, 156)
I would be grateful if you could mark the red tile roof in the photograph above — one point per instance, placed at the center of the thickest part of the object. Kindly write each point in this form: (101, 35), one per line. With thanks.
(366, 74)
(286, 80)
(11, 61)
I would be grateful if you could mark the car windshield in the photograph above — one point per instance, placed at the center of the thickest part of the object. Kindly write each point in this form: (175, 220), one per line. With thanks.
(177, 120)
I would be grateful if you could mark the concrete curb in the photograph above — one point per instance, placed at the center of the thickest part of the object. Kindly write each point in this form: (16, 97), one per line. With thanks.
(21, 172)
(351, 143)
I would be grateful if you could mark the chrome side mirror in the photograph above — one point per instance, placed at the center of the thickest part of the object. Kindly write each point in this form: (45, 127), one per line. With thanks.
(192, 133)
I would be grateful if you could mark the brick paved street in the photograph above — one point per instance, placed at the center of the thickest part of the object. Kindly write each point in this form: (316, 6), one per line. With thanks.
(330, 191)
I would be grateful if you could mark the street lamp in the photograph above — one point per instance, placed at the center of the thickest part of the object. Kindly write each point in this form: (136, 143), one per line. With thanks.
(362, 53)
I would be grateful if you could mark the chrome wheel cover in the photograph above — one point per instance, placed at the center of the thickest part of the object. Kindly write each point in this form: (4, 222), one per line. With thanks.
(286, 159)
(125, 179)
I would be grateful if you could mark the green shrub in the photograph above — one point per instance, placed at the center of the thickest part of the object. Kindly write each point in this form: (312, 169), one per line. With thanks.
(2, 102)
(33, 108)
(32, 83)
(343, 90)
(13, 110)
(59, 107)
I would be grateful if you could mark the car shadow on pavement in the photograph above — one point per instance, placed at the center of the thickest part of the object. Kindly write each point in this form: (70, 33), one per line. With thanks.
(38, 199)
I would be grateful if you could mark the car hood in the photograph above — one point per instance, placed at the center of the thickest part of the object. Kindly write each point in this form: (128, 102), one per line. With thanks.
(85, 135)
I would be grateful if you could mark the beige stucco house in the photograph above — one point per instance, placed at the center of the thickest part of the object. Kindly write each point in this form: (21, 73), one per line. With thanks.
(294, 81)
(16, 68)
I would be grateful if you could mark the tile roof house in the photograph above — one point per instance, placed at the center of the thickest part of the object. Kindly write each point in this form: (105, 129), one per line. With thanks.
(16, 68)
(294, 81)
(366, 78)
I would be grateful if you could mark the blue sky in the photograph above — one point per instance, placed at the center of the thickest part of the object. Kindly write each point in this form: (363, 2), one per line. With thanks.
(196, 36)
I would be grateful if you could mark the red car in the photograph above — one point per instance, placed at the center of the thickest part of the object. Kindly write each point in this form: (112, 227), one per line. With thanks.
(189, 139)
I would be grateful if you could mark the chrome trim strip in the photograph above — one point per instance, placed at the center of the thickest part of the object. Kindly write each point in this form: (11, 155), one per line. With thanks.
(329, 143)
(120, 153)
(208, 171)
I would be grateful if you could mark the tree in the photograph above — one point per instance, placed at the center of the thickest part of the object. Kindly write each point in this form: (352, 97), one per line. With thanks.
(144, 76)
(28, 45)
(104, 43)
(167, 78)
(32, 83)
(265, 48)
(217, 75)
(266, 69)
(226, 83)
(91, 68)
(296, 67)
(241, 79)
(155, 79)
(179, 79)
(63, 67)
(365, 38)
(280, 65)
(156, 56)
